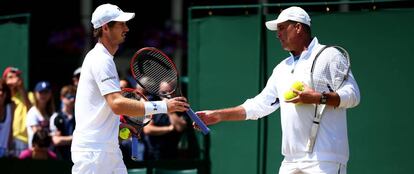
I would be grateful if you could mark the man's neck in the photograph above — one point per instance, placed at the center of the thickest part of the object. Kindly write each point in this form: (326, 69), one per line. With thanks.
(112, 48)
(302, 46)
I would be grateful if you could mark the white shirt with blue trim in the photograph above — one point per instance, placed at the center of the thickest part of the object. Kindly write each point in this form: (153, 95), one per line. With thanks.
(296, 119)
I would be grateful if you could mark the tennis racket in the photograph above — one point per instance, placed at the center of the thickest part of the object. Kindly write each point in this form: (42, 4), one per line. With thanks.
(138, 122)
(328, 74)
(157, 74)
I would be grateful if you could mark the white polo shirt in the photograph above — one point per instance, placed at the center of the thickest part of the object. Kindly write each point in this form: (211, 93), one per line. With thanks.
(97, 125)
(297, 119)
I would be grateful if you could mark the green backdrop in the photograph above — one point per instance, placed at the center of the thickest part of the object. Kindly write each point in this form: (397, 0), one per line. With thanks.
(14, 43)
(224, 74)
(224, 70)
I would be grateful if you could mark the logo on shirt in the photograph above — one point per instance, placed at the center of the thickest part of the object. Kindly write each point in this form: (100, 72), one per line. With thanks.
(155, 106)
(108, 78)
(276, 102)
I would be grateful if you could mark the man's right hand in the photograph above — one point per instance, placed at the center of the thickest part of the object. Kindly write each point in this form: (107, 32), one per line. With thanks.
(177, 104)
(209, 117)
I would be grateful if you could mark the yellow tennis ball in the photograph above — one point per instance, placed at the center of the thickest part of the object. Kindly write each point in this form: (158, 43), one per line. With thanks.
(289, 95)
(124, 133)
(298, 86)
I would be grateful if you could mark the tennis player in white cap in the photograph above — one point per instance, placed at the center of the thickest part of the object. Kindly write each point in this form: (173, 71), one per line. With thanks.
(99, 103)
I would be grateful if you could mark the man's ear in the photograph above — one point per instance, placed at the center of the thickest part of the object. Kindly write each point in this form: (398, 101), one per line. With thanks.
(105, 27)
(298, 27)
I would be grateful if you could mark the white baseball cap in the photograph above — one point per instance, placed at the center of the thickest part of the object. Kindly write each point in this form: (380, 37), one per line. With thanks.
(292, 13)
(107, 12)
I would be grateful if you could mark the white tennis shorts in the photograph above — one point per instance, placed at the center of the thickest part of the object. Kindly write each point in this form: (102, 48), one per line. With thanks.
(98, 163)
(312, 167)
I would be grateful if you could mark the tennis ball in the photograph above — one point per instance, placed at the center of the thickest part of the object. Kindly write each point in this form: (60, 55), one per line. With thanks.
(289, 95)
(298, 86)
(124, 133)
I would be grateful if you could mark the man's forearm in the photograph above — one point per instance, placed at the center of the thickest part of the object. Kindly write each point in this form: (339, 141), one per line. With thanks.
(232, 114)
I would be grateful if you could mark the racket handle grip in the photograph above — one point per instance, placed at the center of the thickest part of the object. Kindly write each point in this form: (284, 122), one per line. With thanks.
(312, 138)
(198, 121)
(134, 149)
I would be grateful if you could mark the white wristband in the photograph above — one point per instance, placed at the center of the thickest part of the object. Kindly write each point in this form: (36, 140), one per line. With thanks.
(155, 107)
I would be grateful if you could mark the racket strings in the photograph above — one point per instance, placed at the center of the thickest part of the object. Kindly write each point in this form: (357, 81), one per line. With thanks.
(329, 72)
(341, 66)
(152, 69)
(321, 75)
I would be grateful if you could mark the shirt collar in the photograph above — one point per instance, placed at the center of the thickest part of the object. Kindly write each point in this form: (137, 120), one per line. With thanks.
(306, 53)
(102, 48)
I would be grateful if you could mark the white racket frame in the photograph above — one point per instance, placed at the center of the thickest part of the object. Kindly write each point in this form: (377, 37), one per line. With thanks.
(320, 108)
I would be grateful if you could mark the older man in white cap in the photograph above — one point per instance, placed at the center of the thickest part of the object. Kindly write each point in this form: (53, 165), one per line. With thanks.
(330, 154)
(99, 102)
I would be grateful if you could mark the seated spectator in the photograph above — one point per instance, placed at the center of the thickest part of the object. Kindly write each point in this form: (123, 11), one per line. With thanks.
(163, 133)
(40, 151)
(38, 116)
(162, 136)
(63, 123)
(6, 119)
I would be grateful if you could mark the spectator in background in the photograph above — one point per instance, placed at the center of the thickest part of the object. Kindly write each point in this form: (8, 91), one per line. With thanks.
(76, 76)
(40, 151)
(23, 101)
(130, 78)
(124, 83)
(145, 81)
(63, 123)
(142, 91)
(162, 136)
(38, 116)
(6, 119)
(163, 133)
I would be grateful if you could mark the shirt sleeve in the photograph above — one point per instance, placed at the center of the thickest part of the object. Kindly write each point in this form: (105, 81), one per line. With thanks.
(349, 93)
(25, 154)
(264, 103)
(52, 125)
(31, 119)
(106, 76)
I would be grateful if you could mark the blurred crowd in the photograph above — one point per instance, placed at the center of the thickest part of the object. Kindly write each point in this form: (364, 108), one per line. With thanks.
(34, 126)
